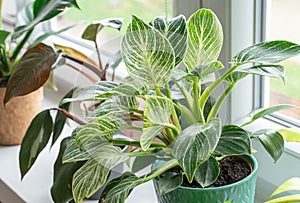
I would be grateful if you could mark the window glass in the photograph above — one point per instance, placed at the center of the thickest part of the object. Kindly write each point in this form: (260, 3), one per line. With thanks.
(285, 24)
(92, 10)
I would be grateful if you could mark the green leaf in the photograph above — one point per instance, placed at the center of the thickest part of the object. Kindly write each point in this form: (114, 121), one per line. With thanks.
(195, 144)
(205, 70)
(3, 35)
(276, 71)
(169, 182)
(35, 140)
(31, 72)
(88, 179)
(61, 190)
(156, 118)
(103, 128)
(141, 162)
(147, 54)
(208, 172)
(233, 141)
(290, 134)
(60, 118)
(44, 10)
(205, 38)
(272, 141)
(91, 31)
(116, 106)
(119, 188)
(267, 111)
(25, 15)
(235, 76)
(174, 29)
(72, 152)
(285, 199)
(287, 186)
(267, 52)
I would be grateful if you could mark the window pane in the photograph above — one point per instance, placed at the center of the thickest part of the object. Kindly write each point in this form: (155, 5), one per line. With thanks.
(92, 10)
(285, 21)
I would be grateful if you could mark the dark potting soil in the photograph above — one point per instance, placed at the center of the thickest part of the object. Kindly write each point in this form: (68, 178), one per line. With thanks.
(232, 169)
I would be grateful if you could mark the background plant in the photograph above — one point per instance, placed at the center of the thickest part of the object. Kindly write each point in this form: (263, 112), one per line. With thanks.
(180, 126)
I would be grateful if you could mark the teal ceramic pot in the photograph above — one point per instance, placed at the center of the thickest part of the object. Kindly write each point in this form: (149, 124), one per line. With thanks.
(240, 192)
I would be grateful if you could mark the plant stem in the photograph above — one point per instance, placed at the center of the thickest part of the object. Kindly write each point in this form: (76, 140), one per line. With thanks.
(198, 109)
(207, 92)
(87, 65)
(86, 74)
(70, 116)
(98, 55)
(141, 153)
(135, 143)
(216, 107)
(166, 166)
(174, 114)
(186, 95)
(20, 46)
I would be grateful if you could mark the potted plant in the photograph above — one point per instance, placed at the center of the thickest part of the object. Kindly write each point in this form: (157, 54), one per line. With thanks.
(20, 76)
(182, 136)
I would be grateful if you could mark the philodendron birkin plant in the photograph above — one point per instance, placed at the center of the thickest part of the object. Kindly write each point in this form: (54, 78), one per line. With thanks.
(178, 127)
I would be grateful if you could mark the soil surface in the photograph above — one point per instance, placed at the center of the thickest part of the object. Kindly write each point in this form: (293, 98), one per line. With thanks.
(232, 169)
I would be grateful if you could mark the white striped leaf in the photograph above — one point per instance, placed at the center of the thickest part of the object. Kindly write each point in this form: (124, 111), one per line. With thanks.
(169, 182)
(73, 153)
(207, 172)
(156, 118)
(147, 54)
(176, 32)
(119, 188)
(195, 144)
(288, 186)
(267, 52)
(205, 38)
(88, 179)
(117, 106)
(205, 70)
(104, 128)
(105, 89)
(276, 71)
(234, 140)
(235, 76)
(272, 141)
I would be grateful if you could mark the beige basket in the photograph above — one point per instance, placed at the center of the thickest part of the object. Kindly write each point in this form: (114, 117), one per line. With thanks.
(17, 115)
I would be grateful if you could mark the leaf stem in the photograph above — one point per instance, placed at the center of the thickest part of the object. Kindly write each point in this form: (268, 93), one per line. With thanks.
(141, 153)
(198, 109)
(98, 55)
(86, 74)
(186, 95)
(135, 143)
(216, 107)
(70, 116)
(166, 166)
(20, 46)
(174, 114)
(207, 92)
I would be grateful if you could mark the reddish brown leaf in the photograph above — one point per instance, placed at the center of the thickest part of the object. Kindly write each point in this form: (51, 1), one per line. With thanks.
(31, 72)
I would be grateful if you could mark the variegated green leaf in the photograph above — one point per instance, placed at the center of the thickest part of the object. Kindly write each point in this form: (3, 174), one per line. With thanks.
(119, 188)
(104, 128)
(234, 140)
(289, 185)
(141, 162)
(266, 111)
(285, 199)
(169, 182)
(105, 89)
(92, 91)
(290, 134)
(276, 71)
(235, 76)
(195, 144)
(272, 141)
(207, 172)
(147, 54)
(203, 71)
(267, 52)
(88, 179)
(205, 38)
(72, 152)
(116, 106)
(176, 32)
(156, 118)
